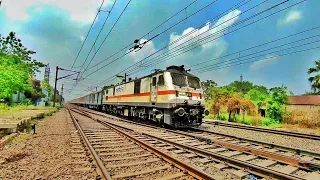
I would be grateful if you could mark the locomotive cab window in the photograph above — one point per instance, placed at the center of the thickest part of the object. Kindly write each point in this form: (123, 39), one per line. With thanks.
(161, 80)
(194, 82)
(179, 79)
(154, 81)
(137, 84)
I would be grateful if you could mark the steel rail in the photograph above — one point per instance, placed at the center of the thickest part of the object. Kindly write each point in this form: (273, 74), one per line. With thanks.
(260, 129)
(266, 172)
(281, 147)
(88, 144)
(199, 174)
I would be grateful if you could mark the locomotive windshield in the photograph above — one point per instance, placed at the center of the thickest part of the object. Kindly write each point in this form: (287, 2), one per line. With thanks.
(194, 82)
(179, 79)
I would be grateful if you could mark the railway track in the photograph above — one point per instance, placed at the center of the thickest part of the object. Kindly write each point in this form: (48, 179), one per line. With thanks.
(258, 160)
(260, 129)
(119, 155)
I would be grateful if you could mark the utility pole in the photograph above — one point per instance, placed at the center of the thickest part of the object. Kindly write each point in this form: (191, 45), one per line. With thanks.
(61, 95)
(55, 87)
(47, 72)
(55, 82)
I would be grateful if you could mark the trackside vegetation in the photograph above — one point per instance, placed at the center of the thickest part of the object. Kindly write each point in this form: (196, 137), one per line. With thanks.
(17, 72)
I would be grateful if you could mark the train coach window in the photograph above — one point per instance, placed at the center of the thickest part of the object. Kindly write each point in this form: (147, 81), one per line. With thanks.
(137, 85)
(161, 80)
(154, 81)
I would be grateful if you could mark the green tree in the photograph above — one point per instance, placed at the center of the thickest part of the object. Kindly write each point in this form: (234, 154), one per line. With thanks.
(257, 96)
(278, 97)
(45, 85)
(35, 92)
(11, 45)
(13, 76)
(16, 67)
(206, 86)
(241, 86)
(314, 78)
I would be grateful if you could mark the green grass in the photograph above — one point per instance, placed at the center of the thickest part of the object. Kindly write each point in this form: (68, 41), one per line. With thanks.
(5, 109)
(248, 120)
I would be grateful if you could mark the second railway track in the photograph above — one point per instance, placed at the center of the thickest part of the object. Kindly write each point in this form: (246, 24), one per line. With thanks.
(243, 159)
(267, 130)
(119, 155)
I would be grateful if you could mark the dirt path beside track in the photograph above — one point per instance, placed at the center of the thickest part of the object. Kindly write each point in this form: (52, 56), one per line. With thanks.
(45, 155)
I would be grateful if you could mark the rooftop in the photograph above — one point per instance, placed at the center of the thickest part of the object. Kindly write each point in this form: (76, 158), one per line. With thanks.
(304, 100)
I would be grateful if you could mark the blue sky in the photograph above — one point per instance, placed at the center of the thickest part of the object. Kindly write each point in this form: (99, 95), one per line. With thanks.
(55, 29)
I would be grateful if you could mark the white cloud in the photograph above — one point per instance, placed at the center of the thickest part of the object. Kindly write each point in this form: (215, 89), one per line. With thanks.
(216, 30)
(206, 51)
(80, 10)
(146, 50)
(267, 61)
(290, 17)
(82, 38)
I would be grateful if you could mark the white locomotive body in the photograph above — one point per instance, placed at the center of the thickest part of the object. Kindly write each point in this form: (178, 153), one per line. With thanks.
(172, 97)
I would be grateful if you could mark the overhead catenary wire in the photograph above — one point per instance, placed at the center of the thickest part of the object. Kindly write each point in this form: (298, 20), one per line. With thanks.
(131, 44)
(80, 75)
(157, 35)
(256, 46)
(85, 39)
(94, 43)
(240, 27)
(230, 32)
(107, 36)
(271, 57)
(172, 51)
(239, 58)
(234, 7)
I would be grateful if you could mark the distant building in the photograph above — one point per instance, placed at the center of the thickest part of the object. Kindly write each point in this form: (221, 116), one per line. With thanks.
(18, 97)
(303, 103)
(41, 101)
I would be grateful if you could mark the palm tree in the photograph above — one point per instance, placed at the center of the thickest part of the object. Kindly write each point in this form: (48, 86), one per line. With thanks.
(314, 78)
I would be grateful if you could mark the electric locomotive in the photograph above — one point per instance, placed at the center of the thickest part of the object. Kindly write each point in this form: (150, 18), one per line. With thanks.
(173, 96)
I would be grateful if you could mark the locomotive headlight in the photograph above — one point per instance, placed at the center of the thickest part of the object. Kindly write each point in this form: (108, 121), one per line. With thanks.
(180, 112)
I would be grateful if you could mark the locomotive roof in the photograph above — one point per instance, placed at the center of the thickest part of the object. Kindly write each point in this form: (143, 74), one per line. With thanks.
(171, 69)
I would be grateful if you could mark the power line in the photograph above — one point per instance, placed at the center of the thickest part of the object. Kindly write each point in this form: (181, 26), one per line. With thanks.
(94, 43)
(103, 39)
(230, 32)
(157, 35)
(263, 44)
(236, 29)
(245, 62)
(126, 47)
(235, 60)
(85, 39)
(107, 35)
(204, 38)
(235, 6)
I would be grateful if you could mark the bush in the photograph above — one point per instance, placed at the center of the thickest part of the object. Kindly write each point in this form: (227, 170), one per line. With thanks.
(309, 119)
(26, 102)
